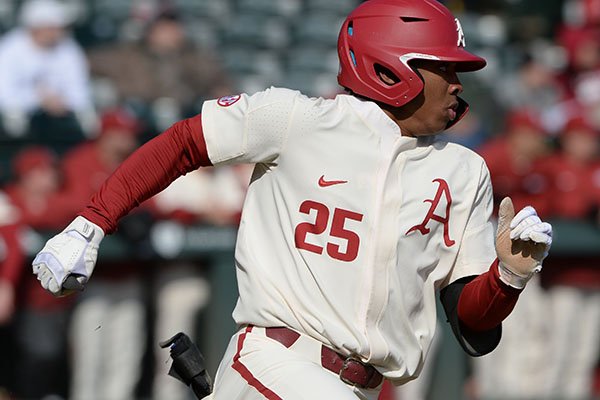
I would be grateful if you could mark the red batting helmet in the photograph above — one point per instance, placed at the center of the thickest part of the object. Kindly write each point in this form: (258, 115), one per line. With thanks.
(391, 33)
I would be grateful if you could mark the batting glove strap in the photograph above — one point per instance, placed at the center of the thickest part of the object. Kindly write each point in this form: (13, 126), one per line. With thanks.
(514, 279)
(91, 232)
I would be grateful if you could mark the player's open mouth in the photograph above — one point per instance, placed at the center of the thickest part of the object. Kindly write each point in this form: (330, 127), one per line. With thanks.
(452, 111)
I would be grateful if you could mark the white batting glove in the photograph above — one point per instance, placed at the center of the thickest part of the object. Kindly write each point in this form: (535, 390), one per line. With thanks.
(67, 260)
(522, 243)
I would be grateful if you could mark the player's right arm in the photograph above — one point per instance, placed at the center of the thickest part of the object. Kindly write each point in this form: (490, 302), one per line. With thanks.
(234, 129)
(149, 170)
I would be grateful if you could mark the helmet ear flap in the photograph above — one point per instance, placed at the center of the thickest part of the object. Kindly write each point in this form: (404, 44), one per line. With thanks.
(386, 78)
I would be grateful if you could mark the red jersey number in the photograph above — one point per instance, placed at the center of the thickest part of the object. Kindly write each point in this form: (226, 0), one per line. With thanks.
(319, 226)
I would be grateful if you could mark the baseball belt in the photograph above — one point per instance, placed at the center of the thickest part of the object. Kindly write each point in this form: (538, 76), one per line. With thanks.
(350, 370)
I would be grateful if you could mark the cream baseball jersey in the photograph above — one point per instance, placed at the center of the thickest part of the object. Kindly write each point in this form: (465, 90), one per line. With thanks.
(348, 227)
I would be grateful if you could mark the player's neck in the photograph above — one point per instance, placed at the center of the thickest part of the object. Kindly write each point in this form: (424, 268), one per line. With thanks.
(399, 120)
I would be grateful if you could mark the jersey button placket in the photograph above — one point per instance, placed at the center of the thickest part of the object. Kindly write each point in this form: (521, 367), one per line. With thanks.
(382, 248)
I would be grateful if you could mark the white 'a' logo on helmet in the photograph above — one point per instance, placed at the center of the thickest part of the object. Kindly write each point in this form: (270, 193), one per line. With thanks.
(460, 41)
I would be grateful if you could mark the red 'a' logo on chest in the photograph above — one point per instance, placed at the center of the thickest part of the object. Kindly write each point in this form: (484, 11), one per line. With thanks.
(442, 190)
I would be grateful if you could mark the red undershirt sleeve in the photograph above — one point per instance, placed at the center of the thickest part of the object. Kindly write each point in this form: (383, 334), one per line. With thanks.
(486, 301)
(150, 169)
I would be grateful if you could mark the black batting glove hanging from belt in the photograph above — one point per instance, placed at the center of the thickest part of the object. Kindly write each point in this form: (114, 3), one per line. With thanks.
(188, 364)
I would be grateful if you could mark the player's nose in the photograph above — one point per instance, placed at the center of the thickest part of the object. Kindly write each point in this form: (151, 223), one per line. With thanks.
(455, 88)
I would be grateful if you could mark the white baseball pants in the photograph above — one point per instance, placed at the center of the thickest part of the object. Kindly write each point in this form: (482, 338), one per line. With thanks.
(256, 367)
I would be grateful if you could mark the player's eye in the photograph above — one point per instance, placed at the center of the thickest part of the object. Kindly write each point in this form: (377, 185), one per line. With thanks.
(447, 68)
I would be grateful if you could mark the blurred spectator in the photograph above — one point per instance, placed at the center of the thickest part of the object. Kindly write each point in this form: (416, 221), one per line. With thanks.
(514, 160)
(163, 70)
(44, 83)
(36, 190)
(12, 258)
(534, 85)
(574, 173)
(583, 57)
(41, 322)
(515, 370)
(580, 79)
(107, 330)
(88, 165)
(213, 196)
(522, 367)
(574, 282)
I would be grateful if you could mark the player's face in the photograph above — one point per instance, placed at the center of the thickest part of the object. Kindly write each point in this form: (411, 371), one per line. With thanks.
(432, 110)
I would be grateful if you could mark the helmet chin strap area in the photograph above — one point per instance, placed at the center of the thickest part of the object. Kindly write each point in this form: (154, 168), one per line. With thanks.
(461, 111)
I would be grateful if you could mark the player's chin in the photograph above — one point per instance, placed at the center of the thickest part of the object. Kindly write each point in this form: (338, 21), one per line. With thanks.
(436, 126)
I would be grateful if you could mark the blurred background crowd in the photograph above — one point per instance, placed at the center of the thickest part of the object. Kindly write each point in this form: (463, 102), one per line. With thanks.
(83, 83)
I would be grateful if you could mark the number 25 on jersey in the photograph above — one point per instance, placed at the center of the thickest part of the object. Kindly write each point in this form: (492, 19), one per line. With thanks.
(335, 228)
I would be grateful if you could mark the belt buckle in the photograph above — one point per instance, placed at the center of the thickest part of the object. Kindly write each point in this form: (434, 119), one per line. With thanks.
(345, 367)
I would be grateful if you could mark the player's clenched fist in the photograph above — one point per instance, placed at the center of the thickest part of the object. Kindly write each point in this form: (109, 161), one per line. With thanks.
(522, 243)
(67, 260)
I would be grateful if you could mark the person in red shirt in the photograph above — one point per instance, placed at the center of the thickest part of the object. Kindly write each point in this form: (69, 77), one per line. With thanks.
(107, 364)
(573, 283)
(89, 164)
(40, 319)
(12, 258)
(515, 161)
(574, 172)
(35, 190)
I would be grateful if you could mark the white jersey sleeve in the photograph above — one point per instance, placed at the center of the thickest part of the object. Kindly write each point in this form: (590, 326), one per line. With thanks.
(248, 129)
(477, 251)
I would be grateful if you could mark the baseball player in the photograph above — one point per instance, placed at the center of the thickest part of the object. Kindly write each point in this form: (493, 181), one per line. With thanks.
(355, 216)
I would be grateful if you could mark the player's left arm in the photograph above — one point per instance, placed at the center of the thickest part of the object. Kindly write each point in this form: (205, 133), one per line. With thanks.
(481, 303)
(522, 243)
(477, 305)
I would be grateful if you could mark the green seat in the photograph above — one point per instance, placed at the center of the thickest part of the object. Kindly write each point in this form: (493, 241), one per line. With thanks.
(203, 8)
(313, 59)
(257, 31)
(281, 8)
(317, 29)
(340, 7)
